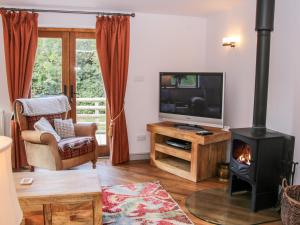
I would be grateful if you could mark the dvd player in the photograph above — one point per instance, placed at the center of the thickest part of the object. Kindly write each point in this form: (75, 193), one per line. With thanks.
(179, 143)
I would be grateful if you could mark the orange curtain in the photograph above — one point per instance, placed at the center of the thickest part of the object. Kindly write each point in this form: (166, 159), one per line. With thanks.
(20, 30)
(112, 39)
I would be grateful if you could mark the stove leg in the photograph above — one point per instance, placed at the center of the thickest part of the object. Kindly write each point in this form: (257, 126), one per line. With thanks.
(253, 199)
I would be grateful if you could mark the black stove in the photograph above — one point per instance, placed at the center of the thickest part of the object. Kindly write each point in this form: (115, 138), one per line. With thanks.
(258, 164)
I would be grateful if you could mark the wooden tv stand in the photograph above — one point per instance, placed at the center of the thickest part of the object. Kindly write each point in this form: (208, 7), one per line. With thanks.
(196, 164)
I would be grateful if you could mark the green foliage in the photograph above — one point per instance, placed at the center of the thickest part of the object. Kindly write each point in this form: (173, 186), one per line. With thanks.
(46, 79)
(88, 80)
(47, 74)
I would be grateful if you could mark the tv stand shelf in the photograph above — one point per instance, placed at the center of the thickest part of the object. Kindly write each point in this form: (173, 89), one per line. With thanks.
(176, 152)
(196, 164)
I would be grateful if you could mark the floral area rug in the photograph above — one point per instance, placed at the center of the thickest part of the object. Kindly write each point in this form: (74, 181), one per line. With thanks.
(141, 204)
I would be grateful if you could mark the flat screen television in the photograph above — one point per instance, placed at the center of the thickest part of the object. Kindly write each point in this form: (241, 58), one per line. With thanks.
(192, 98)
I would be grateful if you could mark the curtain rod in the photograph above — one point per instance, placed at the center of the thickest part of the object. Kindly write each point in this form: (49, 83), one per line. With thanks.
(73, 12)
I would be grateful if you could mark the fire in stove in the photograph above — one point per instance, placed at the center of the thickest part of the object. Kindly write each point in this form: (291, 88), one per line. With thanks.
(243, 154)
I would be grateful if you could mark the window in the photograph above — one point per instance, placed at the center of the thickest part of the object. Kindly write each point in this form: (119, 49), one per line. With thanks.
(47, 74)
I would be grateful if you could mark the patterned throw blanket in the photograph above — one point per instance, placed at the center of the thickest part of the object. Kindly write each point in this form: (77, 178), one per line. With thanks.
(141, 204)
(75, 146)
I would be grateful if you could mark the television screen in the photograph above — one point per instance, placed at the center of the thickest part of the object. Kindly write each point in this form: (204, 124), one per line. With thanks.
(192, 94)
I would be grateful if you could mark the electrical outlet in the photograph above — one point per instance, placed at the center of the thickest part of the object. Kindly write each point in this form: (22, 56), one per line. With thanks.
(141, 137)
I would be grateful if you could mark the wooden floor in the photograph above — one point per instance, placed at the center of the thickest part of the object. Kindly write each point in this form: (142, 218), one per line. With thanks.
(142, 171)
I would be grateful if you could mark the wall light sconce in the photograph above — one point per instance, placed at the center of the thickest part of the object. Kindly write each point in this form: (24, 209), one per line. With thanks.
(230, 41)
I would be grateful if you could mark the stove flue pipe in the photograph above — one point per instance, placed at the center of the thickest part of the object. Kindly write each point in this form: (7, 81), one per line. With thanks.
(265, 10)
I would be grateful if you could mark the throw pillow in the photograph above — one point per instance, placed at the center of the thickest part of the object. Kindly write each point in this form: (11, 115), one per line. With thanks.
(44, 125)
(64, 128)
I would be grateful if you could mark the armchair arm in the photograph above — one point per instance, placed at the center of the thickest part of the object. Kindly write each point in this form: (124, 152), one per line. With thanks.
(49, 156)
(38, 137)
(85, 129)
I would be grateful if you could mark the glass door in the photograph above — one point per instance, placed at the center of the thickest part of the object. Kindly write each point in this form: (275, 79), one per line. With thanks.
(87, 89)
(67, 63)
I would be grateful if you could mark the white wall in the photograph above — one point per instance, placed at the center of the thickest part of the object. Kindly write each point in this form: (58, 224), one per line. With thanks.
(158, 43)
(284, 107)
(239, 63)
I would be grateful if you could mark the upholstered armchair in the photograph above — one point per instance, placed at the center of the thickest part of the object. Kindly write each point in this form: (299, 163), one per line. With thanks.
(42, 149)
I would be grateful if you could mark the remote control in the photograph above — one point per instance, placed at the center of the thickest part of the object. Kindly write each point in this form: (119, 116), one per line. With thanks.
(26, 181)
(204, 132)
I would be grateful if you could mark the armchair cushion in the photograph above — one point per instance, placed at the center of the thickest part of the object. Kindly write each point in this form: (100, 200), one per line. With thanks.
(64, 128)
(44, 125)
(76, 146)
(85, 129)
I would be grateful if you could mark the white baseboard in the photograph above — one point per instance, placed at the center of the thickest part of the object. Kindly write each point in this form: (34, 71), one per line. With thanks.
(138, 156)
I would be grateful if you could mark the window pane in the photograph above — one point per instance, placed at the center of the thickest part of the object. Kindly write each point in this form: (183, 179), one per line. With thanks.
(90, 97)
(47, 73)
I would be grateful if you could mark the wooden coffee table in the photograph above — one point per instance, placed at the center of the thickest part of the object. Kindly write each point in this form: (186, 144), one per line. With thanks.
(60, 197)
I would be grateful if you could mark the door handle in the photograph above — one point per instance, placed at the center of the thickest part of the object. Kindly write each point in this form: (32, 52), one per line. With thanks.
(65, 90)
(72, 93)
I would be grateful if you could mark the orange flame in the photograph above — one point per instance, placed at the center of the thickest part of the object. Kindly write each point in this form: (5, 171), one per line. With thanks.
(243, 154)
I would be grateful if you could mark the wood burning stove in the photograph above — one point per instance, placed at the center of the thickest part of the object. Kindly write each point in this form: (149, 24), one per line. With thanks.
(260, 158)
(256, 165)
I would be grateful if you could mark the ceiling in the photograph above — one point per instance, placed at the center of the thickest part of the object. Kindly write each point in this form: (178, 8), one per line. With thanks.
(175, 7)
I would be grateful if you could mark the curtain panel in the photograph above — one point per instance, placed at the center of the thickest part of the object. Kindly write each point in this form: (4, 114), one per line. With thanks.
(112, 40)
(20, 30)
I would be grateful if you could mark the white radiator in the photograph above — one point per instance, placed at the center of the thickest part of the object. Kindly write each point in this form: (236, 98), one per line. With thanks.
(2, 122)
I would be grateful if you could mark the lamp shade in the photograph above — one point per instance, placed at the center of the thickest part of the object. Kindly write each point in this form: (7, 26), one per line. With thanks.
(10, 211)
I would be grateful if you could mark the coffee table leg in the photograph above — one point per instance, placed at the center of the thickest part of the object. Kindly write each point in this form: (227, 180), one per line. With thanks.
(47, 214)
(97, 210)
